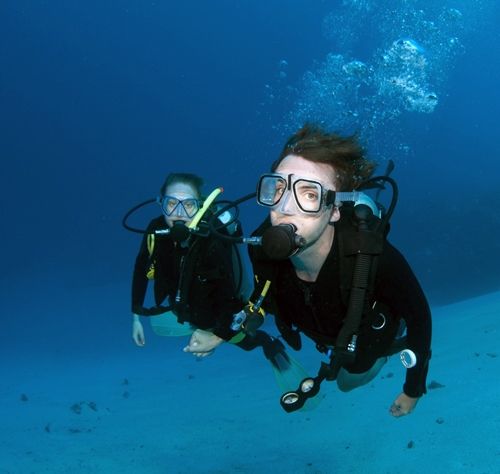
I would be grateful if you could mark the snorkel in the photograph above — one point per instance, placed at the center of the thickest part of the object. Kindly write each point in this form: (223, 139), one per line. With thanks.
(204, 208)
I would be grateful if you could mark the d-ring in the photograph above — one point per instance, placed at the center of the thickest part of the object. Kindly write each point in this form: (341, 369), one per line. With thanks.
(382, 324)
(408, 358)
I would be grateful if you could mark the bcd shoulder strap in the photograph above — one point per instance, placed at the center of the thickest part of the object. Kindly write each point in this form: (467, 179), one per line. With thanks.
(361, 241)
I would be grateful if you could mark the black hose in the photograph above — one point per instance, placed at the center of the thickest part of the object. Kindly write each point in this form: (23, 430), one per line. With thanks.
(131, 211)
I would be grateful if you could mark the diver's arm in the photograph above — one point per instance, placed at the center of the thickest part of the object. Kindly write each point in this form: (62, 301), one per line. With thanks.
(141, 267)
(140, 284)
(399, 287)
(139, 288)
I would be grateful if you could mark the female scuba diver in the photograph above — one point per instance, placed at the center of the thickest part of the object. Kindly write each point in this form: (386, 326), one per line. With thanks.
(197, 278)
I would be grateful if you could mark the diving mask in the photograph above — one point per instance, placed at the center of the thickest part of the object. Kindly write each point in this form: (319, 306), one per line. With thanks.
(309, 195)
(181, 208)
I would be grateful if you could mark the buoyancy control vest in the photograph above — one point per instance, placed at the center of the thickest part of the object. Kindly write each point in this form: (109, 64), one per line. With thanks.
(193, 254)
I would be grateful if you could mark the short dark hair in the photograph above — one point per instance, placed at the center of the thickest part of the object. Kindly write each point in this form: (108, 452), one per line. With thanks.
(344, 154)
(186, 178)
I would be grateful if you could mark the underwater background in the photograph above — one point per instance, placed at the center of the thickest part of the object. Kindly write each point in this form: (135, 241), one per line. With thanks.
(100, 100)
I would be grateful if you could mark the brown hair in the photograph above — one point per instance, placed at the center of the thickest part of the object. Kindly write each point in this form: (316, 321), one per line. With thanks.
(186, 178)
(343, 154)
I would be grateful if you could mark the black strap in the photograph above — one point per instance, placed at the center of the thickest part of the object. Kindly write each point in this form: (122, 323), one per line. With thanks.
(361, 239)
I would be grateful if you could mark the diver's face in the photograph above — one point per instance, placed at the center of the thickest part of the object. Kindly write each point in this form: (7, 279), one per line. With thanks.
(184, 193)
(309, 226)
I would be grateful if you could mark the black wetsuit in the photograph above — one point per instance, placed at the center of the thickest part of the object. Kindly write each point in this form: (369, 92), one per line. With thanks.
(207, 288)
(317, 309)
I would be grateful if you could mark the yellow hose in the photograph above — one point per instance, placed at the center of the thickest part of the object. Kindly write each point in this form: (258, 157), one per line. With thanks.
(208, 201)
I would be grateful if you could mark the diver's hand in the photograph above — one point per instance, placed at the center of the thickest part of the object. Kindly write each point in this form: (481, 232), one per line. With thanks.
(203, 343)
(403, 405)
(138, 332)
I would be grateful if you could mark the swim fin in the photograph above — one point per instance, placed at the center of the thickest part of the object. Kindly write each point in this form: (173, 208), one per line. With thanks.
(288, 372)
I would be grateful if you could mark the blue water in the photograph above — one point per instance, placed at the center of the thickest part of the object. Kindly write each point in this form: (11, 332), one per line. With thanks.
(99, 100)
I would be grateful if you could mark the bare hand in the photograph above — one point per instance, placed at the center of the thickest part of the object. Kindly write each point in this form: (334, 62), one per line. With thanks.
(138, 333)
(403, 405)
(203, 343)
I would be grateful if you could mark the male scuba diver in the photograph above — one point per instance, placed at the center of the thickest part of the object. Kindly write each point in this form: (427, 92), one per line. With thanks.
(198, 275)
(332, 275)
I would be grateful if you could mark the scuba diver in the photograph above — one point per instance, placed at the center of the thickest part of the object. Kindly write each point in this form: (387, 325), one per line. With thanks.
(197, 277)
(330, 273)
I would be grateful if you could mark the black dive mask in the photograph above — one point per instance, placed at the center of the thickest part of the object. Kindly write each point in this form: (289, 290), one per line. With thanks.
(281, 241)
(179, 231)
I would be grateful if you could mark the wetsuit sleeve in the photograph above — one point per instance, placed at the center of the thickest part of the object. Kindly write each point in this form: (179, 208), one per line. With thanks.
(398, 287)
(141, 267)
(225, 300)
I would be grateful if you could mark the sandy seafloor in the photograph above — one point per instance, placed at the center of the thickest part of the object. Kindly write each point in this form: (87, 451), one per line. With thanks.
(158, 410)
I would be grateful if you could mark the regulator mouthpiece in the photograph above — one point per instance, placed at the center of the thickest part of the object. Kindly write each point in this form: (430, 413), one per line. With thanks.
(280, 242)
(179, 231)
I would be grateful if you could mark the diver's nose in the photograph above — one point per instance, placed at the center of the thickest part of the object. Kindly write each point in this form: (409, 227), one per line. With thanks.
(287, 205)
(179, 211)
